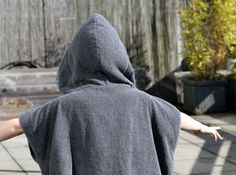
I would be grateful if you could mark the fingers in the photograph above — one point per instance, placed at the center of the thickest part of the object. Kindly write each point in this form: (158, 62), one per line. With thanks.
(218, 136)
(212, 131)
(215, 133)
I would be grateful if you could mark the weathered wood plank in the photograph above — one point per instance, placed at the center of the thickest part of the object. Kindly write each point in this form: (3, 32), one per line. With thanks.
(60, 21)
(36, 28)
(16, 37)
(42, 29)
(165, 37)
(21, 31)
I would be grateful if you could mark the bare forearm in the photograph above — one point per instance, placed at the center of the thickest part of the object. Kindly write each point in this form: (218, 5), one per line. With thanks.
(9, 129)
(188, 123)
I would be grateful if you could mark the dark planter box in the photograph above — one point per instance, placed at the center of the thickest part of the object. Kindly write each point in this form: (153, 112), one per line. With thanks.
(232, 93)
(205, 96)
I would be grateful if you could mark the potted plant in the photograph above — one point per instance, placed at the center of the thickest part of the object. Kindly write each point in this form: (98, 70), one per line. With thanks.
(232, 87)
(206, 37)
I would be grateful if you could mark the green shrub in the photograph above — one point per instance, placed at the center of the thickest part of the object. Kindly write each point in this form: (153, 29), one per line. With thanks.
(207, 35)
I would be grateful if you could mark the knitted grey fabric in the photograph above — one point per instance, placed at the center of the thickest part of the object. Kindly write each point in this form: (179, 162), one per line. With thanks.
(102, 125)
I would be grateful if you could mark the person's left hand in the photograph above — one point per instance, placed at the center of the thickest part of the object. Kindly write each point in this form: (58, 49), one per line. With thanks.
(209, 130)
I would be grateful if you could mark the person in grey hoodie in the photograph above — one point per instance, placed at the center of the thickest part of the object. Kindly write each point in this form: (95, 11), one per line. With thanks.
(102, 125)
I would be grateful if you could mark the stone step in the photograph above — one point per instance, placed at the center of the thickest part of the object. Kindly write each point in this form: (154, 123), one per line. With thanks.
(25, 82)
(41, 99)
(27, 76)
(26, 90)
(11, 107)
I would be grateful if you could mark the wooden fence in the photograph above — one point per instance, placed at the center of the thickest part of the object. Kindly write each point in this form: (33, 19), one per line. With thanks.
(42, 29)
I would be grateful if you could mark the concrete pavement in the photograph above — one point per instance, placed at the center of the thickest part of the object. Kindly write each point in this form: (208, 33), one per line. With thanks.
(202, 155)
(15, 158)
(194, 155)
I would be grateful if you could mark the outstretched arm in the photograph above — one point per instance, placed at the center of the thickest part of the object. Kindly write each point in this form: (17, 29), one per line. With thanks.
(189, 123)
(10, 128)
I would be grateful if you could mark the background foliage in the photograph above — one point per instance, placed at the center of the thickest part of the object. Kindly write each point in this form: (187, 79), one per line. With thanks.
(207, 31)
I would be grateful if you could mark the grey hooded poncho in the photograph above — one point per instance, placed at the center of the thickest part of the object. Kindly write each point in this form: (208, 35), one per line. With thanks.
(102, 125)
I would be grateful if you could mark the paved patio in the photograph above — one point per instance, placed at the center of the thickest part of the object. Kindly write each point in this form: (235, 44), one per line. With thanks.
(194, 155)
(202, 155)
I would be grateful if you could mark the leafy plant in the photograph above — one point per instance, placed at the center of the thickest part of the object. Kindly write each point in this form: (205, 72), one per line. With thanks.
(232, 49)
(233, 71)
(207, 35)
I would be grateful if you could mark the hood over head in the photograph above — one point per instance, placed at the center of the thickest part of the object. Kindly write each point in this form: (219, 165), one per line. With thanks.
(95, 56)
